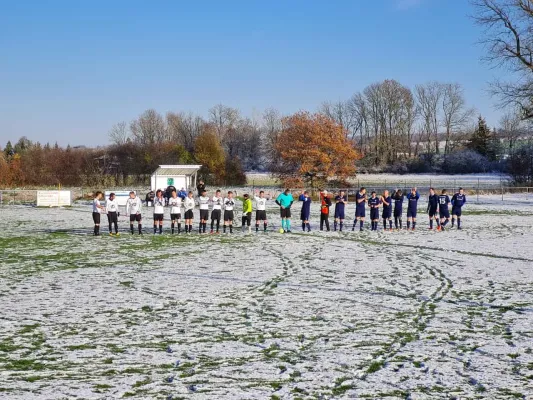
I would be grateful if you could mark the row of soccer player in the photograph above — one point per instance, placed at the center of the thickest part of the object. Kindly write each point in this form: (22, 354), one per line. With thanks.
(437, 205)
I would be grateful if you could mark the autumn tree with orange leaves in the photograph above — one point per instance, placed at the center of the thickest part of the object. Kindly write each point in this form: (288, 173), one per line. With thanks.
(313, 149)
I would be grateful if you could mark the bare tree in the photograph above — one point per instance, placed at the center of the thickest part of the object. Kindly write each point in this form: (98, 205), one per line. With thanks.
(223, 118)
(455, 114)
(508, 38)
(340, 112)
(119, 133)
(428, 97)
(183, 128)
(149, 128)
(511, 128)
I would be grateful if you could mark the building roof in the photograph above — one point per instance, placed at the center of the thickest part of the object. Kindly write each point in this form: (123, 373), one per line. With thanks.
(176, 170)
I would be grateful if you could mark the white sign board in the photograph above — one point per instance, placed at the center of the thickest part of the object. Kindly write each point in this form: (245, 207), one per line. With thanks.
(53, 198)
(121, 196)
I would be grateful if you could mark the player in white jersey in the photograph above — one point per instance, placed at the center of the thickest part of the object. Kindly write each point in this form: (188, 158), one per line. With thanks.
(159, 211)
(133, 209)
(229, 204)
(188, 206)
(260, 213)
(217, 202)
(97, 210)
(111, 207)
(203, 202)
(175, 211)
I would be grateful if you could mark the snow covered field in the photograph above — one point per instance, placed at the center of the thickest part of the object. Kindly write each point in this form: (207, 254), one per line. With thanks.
(401, 315)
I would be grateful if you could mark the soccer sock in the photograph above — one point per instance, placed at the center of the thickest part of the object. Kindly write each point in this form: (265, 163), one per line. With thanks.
(172, 224)
(395, 222)
(140, 228)
(458, 222)
(334, 225)
(361, 222)
(257, 227)
(438, 222)
(205, 226)
(200, 227)
(131, 228)
(288, 224)
(354, 224)
(283, 224)
(186, 228)
(190, 228)
(453, 222)
(265, 226)
(95, 231)
(160, 228)
(341, 224)
(224, 229)
(384, 223)
(212, 224)
(408, 224)
(308, 227)
(400, 223)
(414, 224)
(303, 226)
(218, 225)
(155, 228)
(430, 223)
(390, 224)
(231, 229)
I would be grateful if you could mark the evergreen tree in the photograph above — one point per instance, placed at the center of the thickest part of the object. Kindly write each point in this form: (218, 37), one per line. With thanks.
(482, 140)
(8, 151)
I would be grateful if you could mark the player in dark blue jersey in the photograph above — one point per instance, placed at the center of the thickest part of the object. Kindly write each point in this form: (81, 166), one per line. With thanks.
(433, 206)
(340, 205)
(305, 214)
(444, 211)
(398, 198)
(412, 204)
(360, 208)
(458, 201)
(386, 214)
(374, 203)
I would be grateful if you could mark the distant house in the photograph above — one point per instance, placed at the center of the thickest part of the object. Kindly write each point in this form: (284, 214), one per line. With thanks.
(179, 176)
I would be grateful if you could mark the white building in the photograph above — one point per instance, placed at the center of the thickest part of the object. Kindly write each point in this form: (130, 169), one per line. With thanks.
(179, 176)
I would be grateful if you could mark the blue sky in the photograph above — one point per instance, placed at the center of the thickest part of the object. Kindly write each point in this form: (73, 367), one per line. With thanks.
(69, 70)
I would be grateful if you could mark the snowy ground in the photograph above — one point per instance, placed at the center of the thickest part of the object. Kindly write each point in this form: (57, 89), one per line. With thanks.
(418, 315)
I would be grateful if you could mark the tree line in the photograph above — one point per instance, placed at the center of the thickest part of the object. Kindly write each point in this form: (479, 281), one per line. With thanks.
(386, 127)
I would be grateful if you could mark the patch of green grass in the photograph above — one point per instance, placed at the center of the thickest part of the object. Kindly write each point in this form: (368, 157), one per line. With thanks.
(508, 392)
(7, 346)
(375, 366)
(25, 365)
(108, 361)
(133, 371)
(147, 309)
(28, 328)
(32, 378)
(514, 356)
(127, 283)
(145, 381)
(103, 386)
(113, 348)
(84, 346)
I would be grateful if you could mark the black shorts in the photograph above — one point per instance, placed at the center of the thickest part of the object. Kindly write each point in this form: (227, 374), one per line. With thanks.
(360, 212)
(247, 218)
(204, 214)
(260, 215)
(135, 217)
(228, 215)
(386, 213)
(444, 214)
(374, 213)
(175, 217)
(96, 217)
(285, 212)
(397, 213)
(158, 217)
(432, 212)
(215, 215)
(411, 213)
(456, 211)
(189, 214)
(112, 217)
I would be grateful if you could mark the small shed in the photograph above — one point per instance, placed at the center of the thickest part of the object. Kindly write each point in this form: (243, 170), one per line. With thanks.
(179, 176)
